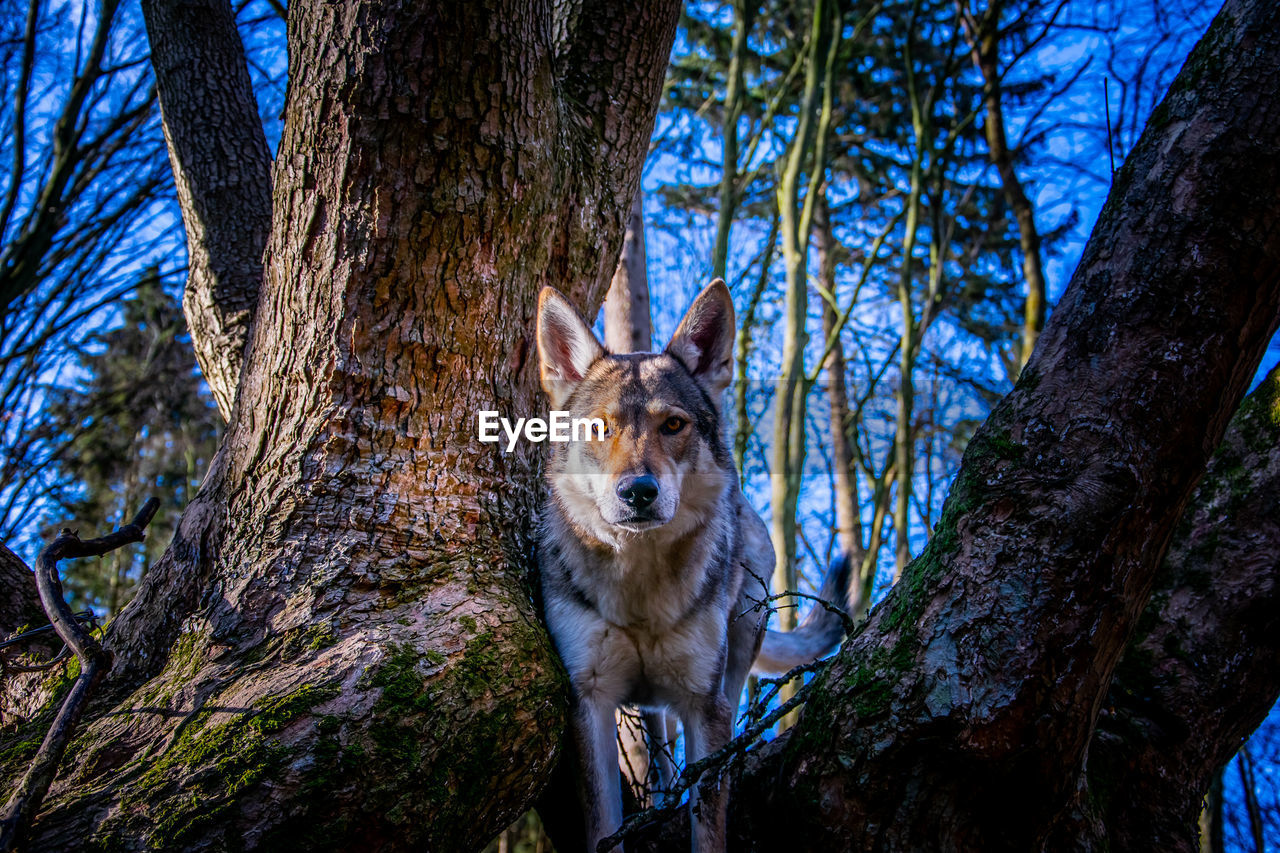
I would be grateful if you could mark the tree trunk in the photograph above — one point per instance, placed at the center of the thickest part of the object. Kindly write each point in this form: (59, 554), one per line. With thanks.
(1211, 829)
(20, 606)
(1163, 737)
(909, 340)
(843, 462)
(984, 40)
(339, 650)
(744, 14)
(743, 425)
(807, 152)
(1183, 696)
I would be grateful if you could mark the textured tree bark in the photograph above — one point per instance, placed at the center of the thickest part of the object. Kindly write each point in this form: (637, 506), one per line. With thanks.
(1199, 674)
(94, 663)
(20, 606)
(340, 650)
(222, 169)
(1203, 668)
(961, 714)
(1197, 677)
(22, 694)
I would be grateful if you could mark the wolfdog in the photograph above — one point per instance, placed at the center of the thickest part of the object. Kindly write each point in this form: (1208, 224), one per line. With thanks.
(654, 567)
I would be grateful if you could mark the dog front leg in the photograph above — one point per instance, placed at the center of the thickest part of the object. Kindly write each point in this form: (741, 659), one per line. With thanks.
(660, 731)
(600, 791)
(707, 728)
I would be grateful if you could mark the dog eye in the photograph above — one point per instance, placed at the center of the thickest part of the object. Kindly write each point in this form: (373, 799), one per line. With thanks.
(672, 425)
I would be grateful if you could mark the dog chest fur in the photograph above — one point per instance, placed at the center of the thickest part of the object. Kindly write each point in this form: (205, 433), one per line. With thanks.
(652, 613)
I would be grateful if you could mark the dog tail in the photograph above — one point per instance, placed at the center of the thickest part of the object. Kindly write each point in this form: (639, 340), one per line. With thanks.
(818, 633)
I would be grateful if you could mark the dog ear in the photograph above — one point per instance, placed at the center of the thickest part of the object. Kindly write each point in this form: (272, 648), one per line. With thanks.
(703, 342)
(566, 346)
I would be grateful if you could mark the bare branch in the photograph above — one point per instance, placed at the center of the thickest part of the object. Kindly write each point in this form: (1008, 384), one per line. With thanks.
(21, 258)
(94, 663)
(20, 115)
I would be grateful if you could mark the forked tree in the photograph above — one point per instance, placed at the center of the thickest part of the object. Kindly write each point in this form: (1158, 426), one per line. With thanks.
(340, 651)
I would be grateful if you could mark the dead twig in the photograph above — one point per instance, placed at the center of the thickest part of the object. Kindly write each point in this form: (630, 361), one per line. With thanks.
(82, 616)
(94, 664)
(7, 666)
(720, 761)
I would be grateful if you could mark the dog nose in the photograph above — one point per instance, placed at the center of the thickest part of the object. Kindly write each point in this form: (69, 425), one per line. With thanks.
(638, 492)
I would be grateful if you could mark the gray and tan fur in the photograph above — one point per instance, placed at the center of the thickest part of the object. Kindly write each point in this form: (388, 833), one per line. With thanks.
(653, 564)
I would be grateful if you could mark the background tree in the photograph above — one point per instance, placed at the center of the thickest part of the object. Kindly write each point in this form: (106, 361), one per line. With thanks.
(1002, 542)
(85, 171)
(87, 205)
(942, 251)
(140, 423)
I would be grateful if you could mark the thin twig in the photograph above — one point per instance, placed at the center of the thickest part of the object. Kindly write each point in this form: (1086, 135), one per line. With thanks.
(718, 761)
(8, 667)
(831, 607)
(94, 664)
(82, 616)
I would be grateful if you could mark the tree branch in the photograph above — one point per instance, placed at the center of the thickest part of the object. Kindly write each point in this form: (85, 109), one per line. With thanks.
(1203, 669)
(610, 83)
(222, 169)
(94, 663)
(20, 115)
(21, 257)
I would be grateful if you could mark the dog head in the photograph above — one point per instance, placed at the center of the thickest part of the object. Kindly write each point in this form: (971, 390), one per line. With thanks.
(662, 462)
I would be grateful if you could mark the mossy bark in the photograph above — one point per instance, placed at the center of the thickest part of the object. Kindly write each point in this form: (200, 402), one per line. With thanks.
(340, 649)
(28, 700)
(23, 695)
